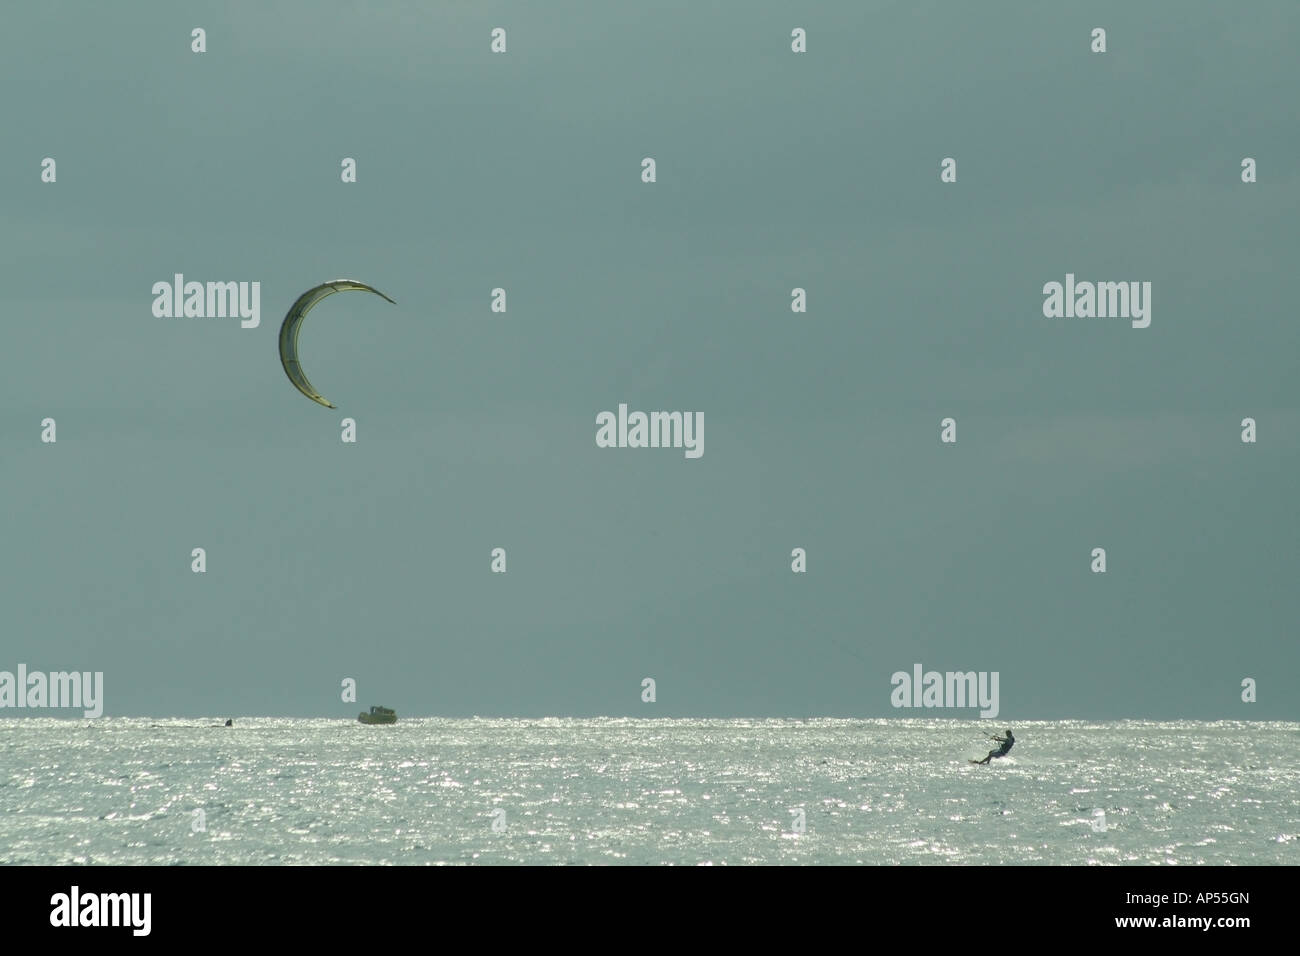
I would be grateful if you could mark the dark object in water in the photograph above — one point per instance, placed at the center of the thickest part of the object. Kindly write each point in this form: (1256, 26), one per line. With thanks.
(229, 722)
(378, 715)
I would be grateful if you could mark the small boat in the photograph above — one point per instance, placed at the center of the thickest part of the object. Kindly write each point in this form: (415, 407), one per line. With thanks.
(378, 715)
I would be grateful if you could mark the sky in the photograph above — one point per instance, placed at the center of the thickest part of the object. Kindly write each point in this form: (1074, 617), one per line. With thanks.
(476, 429)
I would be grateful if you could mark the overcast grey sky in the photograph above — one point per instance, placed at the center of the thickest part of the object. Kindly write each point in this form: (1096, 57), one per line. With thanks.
(477, 430)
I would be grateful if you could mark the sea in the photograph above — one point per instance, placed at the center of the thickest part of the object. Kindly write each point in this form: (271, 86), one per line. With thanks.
(646, 792)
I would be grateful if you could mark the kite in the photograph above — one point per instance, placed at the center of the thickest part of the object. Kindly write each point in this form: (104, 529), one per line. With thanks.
(293, 322)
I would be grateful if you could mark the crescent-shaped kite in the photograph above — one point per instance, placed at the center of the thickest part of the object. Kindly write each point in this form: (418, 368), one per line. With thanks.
(293, 322)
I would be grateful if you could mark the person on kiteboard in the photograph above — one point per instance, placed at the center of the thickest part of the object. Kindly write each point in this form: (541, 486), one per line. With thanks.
(1005, 745)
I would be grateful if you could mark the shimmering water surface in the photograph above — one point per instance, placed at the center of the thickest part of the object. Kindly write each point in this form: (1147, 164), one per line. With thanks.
(125, 790)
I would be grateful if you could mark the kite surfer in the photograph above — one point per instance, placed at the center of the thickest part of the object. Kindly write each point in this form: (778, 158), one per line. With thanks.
(1004, 743)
